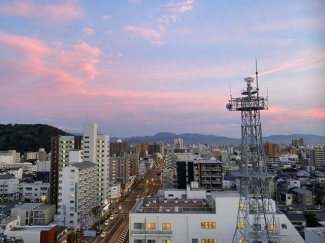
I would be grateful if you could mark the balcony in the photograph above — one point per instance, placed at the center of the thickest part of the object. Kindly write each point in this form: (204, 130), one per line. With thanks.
(142, 232)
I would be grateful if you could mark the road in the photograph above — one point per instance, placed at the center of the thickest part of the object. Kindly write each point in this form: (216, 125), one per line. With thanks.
(117, 229)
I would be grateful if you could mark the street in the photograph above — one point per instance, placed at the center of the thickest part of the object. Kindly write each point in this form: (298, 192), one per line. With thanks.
(117, 228)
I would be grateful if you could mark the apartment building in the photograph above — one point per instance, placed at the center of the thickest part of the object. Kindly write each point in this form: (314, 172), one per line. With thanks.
(96, 150)
(208, 173)
(35, 191)
(9, 188)
(189, 215)
(60, 147)
(317, 157)
(169, 177)
(13, 153)
(78, 195)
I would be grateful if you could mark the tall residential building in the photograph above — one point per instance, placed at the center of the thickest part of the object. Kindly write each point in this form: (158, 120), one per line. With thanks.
(119, 148)
(270, 149)
(297, 142)
(317, 157)
(60, 147)
(96, 150)
(78, 194)
(42, 154)
(15, 155)
(156, 148)
(178, 143)
(207, 172)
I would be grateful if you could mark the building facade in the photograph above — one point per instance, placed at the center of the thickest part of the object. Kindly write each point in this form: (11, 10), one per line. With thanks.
(78, 196)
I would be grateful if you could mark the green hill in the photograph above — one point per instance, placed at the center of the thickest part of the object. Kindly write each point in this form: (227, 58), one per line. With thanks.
(27, 137)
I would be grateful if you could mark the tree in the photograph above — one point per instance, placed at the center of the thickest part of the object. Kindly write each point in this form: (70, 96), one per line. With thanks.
(311, 219)
(72, 237)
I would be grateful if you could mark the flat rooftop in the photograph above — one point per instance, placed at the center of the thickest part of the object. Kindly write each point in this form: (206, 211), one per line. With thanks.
(33, 228)
(27, 206)
(182, 206)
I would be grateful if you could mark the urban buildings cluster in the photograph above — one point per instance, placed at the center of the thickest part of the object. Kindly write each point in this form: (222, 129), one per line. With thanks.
(74, 184)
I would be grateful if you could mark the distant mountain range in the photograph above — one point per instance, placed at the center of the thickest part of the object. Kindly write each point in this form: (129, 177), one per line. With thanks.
(195, 138)
(28, 137)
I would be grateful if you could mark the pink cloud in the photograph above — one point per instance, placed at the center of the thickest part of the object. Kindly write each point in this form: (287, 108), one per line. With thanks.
(181, 7)
(54, 69)
(88, 31)
(300, 64)
(151, 34)
(57, 12)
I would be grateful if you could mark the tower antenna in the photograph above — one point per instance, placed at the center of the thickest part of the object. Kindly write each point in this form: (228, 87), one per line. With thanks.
(256, 74)
(86, 117)
(230, 90)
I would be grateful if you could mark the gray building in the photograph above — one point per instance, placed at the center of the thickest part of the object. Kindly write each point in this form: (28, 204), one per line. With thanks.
(303, 196)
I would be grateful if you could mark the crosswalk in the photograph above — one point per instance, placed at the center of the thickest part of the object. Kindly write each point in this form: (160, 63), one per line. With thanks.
(123, 235)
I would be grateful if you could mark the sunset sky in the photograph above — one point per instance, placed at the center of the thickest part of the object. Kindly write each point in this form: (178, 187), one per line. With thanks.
(138, 67)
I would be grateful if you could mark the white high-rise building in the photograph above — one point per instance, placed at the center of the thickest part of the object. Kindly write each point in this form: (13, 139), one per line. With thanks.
(178, 143)
(78, 195)
(96, 150)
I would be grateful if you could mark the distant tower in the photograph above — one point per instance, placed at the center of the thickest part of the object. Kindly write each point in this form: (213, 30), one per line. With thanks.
(255, 219)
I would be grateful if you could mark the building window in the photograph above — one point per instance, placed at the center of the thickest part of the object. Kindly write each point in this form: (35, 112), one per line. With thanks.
(137, 241)
(166, 241)
(195, 241)
(71, 221)
(208, 225)
(166, 226)
(271, 227)
(284, 226)
(137, 225)
(151, 226)
(151, 241)
(208, 240)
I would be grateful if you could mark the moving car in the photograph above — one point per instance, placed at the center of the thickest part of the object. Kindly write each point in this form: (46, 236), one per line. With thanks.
(103, 234)
(106, 222)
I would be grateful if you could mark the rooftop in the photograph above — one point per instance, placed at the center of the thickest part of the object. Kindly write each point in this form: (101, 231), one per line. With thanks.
(34, 228)
(27, 206)
(160, 205)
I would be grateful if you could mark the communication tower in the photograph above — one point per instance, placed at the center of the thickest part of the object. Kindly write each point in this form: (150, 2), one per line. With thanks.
(255, 219)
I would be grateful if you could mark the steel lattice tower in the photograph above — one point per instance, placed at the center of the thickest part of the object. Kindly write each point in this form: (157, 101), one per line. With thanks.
(255, 220)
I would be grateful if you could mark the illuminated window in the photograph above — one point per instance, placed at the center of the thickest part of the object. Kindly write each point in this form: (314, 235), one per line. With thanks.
(208, 225)
(208, 240)
(241, 225)
(271, 227)
(288, 242)
(166, 226)
(151, 226)
(241, 206)
(166, 241)
(241, 241)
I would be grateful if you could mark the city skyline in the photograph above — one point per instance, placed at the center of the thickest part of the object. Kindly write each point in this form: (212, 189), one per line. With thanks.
(142, 67)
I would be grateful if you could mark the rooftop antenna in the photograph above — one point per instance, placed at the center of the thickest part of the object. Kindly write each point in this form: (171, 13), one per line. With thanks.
(230, 90)
(86, 117)
(256, 73)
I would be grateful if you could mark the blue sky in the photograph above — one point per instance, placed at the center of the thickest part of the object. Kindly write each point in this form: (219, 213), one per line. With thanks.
(140, 67)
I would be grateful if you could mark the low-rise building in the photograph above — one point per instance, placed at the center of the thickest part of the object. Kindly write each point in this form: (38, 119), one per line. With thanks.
(34, 234)
(189, 215)
(303, 196)
(315, 234)
(34, 213)
(9, 188)
(35, 191)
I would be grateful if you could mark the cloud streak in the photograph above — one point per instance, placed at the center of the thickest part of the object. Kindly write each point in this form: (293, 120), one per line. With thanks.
(57, 12)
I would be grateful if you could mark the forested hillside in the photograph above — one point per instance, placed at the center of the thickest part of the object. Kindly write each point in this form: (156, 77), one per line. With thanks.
(27, 137)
